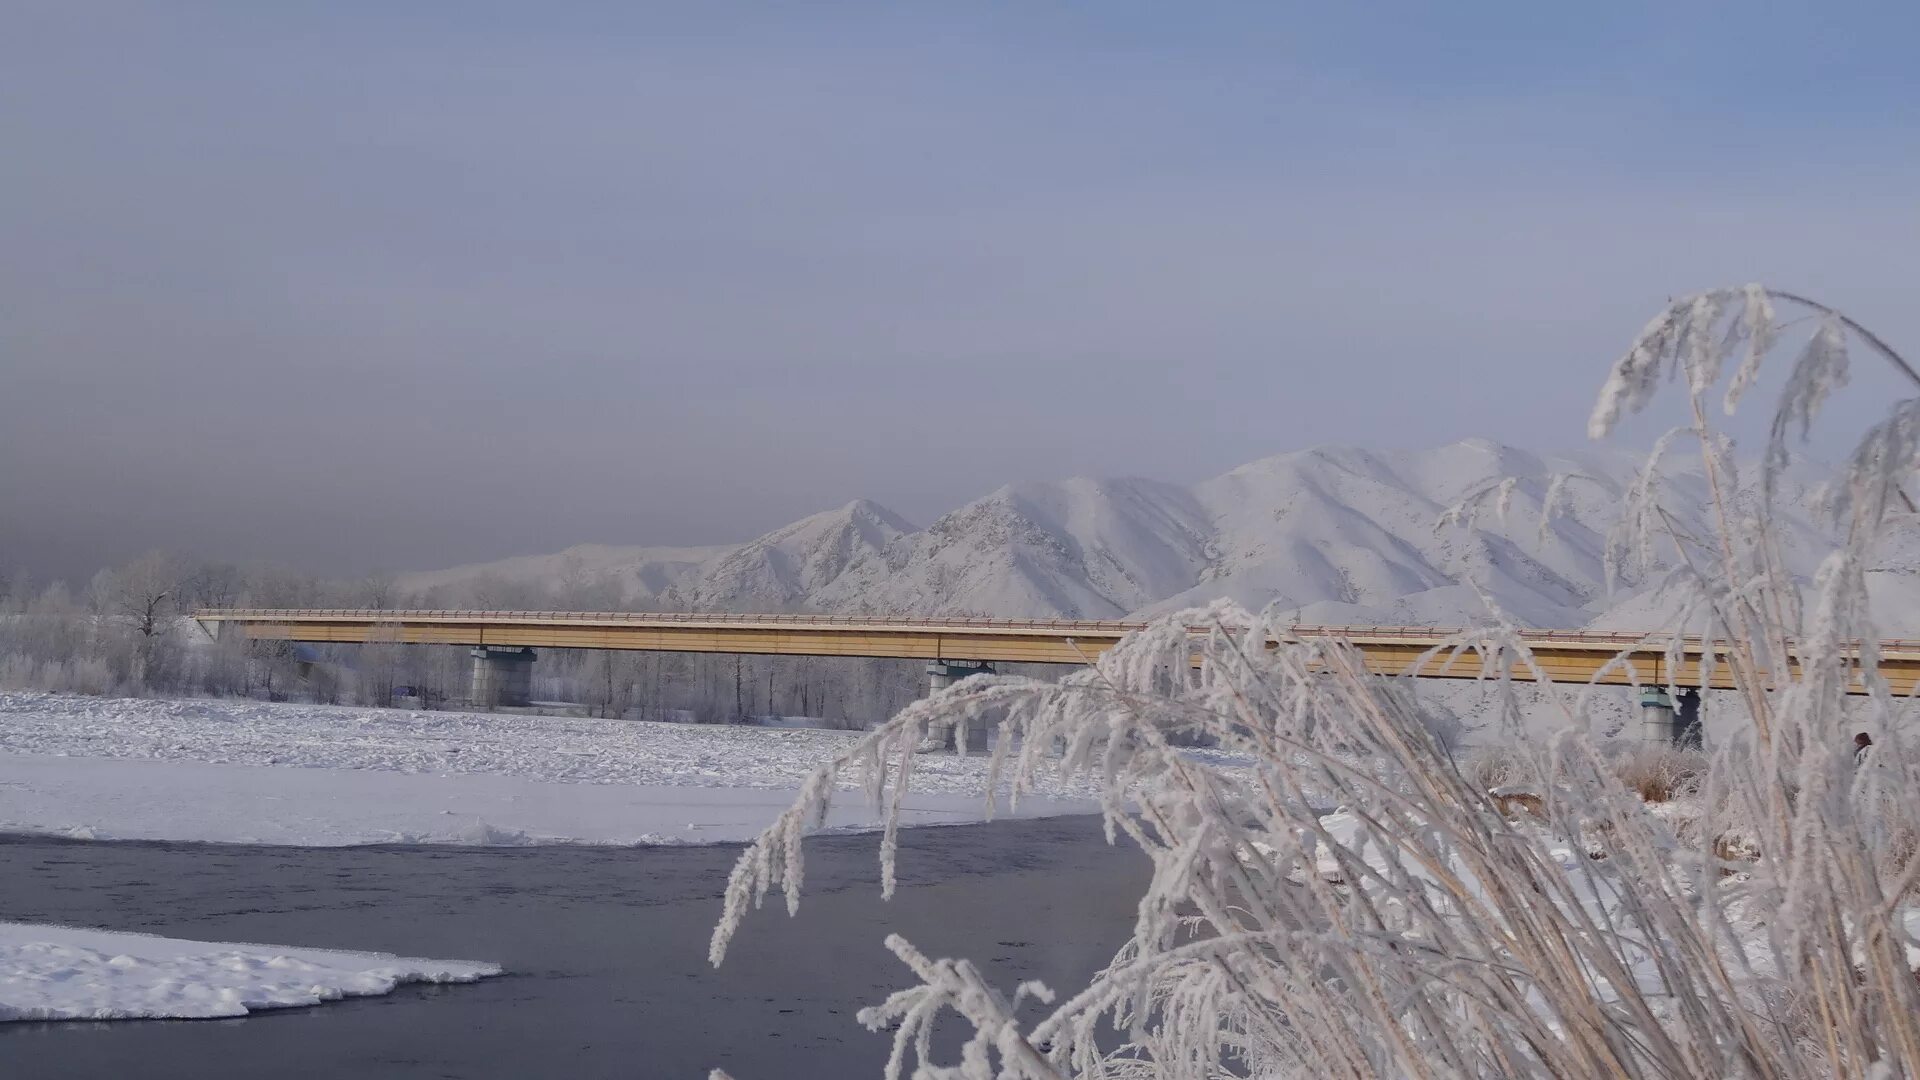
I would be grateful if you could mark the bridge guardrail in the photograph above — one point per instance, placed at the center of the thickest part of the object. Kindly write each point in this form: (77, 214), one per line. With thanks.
(1599, 639)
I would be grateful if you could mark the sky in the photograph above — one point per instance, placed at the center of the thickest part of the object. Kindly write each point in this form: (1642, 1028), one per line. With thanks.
(357, 286)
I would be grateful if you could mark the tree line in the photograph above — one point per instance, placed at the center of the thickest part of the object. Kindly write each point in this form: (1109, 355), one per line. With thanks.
(129, 633)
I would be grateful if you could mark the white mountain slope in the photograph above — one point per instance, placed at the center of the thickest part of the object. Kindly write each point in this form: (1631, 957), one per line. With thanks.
(789, 568)
(1330, 535)
(639, 572)
(1074, 549)
(1347, 536)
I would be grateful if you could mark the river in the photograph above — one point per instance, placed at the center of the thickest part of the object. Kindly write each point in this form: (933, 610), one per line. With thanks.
(605, 949)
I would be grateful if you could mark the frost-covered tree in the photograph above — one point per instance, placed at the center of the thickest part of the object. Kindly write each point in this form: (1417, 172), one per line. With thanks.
(278, 587)
(377, 591)
(146, 592)
(1340, 896)
(381, 661)
(213, 585)
(141, 598)
(605, 681)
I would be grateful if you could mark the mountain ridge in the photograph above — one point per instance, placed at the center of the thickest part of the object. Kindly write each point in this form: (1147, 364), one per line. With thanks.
(1336, 535)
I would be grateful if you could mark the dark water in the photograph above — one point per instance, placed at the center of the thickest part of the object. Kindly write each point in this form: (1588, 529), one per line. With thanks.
(605, 950)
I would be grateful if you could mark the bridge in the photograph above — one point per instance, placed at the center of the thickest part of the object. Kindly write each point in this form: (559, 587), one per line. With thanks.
(503, 642)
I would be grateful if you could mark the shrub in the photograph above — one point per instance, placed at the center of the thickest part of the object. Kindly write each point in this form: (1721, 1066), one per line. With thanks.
(1494, 768)
(1415, 932)
(1659, 773)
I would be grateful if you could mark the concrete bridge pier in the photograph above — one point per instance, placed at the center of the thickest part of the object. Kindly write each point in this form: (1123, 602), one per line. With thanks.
(944, 673)
(501, 676)
(1665, 721)
(1657, 726)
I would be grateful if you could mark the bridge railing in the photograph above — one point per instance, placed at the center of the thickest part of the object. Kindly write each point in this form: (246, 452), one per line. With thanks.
(483, 615)
(1412, 635)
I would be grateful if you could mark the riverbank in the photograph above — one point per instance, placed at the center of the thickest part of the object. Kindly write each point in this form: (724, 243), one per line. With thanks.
(277, 773)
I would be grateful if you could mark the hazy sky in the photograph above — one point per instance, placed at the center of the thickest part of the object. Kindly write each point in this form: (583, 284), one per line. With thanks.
(366, 285)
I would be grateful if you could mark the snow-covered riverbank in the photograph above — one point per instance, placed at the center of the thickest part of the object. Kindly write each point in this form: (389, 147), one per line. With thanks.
(247, 771)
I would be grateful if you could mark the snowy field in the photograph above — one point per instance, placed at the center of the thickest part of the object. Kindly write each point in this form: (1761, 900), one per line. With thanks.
(68, 973)
(247, 771)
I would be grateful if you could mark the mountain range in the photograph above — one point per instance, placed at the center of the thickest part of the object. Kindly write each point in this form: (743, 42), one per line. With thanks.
(1331, 535)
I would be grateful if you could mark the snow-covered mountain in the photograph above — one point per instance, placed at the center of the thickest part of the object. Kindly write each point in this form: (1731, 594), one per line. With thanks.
(1332, 535)
(603, 568)
(789, 568)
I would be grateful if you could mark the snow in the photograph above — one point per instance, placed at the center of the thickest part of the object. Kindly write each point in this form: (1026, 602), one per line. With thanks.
(254, 772)
(1601, 896)
(68, 973)
(118, 799)
(1912, 922)
(553, 749)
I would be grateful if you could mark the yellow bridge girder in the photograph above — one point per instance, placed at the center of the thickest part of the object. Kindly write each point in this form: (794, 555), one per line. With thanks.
(1568, 656)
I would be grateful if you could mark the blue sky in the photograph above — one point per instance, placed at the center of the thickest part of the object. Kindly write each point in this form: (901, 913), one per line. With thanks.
(356, 287)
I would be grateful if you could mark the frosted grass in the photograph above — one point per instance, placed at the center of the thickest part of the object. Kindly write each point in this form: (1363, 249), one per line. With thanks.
(1424, 928)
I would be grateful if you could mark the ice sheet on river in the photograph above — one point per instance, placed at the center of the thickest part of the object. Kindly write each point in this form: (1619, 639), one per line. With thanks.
(69, 973)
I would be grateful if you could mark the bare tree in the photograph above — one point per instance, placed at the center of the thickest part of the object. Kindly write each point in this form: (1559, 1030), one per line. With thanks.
(377, 591)
(212, 585)
(277, 666)
(605, 681)
(145, 592)
(134, 606)
(380, 662)
(275, 587)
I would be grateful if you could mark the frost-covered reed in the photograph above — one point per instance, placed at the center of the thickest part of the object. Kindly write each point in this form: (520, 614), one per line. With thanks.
(1357, 903)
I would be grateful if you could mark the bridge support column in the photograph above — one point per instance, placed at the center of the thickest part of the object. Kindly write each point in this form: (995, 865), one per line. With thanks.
(1657, 727)
(501, 676)
(944, 673)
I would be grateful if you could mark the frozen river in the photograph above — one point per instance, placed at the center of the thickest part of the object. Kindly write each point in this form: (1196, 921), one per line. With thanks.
(605, 950)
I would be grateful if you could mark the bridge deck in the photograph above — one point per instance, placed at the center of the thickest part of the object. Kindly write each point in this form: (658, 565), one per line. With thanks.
(1569, 656)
